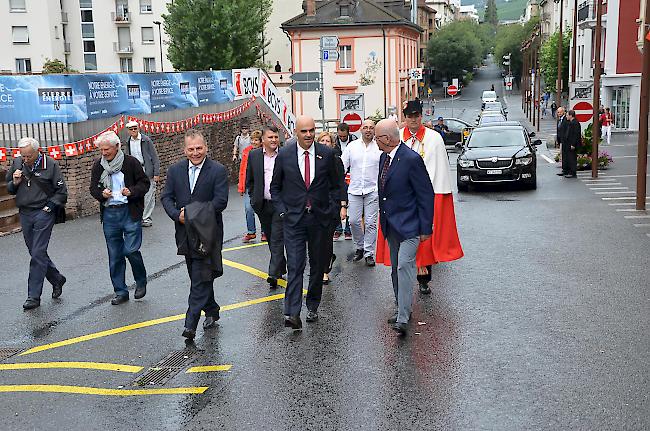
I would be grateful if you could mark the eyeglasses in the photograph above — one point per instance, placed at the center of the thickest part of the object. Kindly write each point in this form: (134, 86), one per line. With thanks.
(381, 136)
(132, 128)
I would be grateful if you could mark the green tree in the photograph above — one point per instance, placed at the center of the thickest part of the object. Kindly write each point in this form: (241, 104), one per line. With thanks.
(508, 42)
(491, 16)
(56, 66)
(548, 60)
(217, 34)
(458, 46)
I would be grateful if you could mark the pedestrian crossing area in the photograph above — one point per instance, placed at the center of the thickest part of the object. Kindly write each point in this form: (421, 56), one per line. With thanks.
(611, 189)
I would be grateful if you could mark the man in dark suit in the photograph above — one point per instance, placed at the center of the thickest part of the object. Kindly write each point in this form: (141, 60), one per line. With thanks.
(259, 173)
(405, 213)
(197, 179)
(572, 141)
(305, 183)
(562, 128)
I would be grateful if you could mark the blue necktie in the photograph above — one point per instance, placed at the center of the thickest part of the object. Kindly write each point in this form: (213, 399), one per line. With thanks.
(193, 170)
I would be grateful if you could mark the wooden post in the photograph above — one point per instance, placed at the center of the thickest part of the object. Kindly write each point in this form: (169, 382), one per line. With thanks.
(642, 157)
(595, 130)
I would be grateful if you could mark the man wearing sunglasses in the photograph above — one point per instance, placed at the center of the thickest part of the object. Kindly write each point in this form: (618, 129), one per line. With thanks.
(142, 148)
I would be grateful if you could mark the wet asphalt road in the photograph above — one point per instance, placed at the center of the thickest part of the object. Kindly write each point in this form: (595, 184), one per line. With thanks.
(543, 325)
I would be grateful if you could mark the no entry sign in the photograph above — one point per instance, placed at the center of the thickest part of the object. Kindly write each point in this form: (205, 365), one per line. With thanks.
(452, 90)
(584, 111)
(353, 120)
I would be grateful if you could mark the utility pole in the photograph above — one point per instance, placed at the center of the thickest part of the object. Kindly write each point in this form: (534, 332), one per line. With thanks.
(595, 130)
(539, 79)
(558, 91)
(575, 41)
(642, 155)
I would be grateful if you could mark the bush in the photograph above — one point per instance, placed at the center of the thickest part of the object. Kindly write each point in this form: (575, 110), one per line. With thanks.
(469, 76)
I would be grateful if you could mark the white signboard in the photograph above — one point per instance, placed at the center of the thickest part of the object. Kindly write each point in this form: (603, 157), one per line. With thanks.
(415, 73)
(329, 42)
(246, 83)
(271, 96)
(581, 91)
(352, 110)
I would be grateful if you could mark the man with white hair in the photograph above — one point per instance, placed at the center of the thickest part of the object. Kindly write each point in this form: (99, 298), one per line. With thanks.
(40, 190)
(119, 183)
(142, 148)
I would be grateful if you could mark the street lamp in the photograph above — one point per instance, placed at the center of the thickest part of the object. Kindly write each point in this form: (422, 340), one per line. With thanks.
(158, 23)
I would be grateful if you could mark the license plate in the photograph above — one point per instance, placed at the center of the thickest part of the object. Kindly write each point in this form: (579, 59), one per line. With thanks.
(494, 172)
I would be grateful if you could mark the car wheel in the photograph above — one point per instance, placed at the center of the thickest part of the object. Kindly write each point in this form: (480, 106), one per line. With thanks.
(462, 187)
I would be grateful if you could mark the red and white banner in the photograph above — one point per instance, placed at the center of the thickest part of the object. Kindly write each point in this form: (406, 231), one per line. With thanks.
(54, 152)
(15, 152)
(3, 154)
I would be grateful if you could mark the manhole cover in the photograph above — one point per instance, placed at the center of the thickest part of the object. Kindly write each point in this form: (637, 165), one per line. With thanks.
(167, 368)
(8, 352)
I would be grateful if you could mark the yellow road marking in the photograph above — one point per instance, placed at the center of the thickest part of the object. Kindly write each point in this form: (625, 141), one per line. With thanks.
(209, 368)
(80, 365)
(241, 247)
(147, 323)
(85, 390)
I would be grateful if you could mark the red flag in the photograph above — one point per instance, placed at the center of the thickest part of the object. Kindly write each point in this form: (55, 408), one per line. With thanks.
(145, 126)
(70, 150)
(167, 127)
(15, 152)
(120, 123)
(3, 154)
(80, 147)
(88, 143)
(54, 152)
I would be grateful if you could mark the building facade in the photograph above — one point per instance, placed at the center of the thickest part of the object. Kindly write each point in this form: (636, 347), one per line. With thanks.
(377, 47)
(468, 12)
(87, 35)
(446, 11)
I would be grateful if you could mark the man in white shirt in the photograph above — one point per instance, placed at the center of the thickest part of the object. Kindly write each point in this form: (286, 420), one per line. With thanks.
(361, 157)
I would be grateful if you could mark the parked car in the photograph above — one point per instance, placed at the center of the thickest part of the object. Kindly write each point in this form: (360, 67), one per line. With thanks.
(488, 96)
(495, 106)
(489, 117)
(498, 153)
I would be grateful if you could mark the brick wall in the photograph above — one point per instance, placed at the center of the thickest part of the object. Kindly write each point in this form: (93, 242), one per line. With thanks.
(220, 137)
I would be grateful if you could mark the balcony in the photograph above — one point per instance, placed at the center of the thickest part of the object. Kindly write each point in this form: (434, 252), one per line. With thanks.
(587, 14)
(66, 47)
(64, 17)
(125, 49)
(121, 18)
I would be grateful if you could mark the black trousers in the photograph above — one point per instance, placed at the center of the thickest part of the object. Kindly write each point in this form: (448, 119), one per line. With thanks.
(201, 292)
(311, 233)
(569, 159)
(425, 278)
(273, 227)
(328, 252)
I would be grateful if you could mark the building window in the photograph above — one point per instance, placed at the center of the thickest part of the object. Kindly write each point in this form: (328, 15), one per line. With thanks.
(86, 4)
(147, 35)
(90, 62)
(345, 57)
(87, 31)
(344, 10)
(17, 6)
(89, 46)
(20, 34)
(145, 6)
(86, 16)
(23, 65)
(149, 64)
(126, 65)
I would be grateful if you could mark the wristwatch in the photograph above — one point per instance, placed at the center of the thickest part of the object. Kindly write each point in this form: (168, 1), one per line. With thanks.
(344, 206)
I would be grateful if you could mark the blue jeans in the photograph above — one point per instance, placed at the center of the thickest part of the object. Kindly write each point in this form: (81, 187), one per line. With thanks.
(250, 214)
(123, 240)
(339, 228)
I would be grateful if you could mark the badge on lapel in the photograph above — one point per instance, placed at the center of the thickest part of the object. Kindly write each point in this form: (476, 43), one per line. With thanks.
(318, 156)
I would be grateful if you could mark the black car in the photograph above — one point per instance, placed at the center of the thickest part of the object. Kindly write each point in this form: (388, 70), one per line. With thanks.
(498, 153)
(490, 117)
(457, 131)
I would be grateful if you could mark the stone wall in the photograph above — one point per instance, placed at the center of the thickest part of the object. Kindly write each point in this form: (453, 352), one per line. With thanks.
(220, 137)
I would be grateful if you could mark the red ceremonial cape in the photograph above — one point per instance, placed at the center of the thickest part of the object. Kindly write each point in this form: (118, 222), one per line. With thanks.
(444, 244)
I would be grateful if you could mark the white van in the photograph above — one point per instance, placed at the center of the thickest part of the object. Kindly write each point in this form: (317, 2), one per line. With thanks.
(489, 96)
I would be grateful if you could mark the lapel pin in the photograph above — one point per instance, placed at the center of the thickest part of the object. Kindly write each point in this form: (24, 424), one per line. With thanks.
(318, 156)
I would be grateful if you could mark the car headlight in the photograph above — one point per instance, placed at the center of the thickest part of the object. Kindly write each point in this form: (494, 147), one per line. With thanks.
(523, 161)
(465, 163)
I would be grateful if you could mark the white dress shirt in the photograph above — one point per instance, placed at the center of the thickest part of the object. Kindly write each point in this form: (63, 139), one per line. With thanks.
(392, 154)
(196, 174)
(269, 164)
(117, 183)
(312, 161)
(135, 144)
(363, 162)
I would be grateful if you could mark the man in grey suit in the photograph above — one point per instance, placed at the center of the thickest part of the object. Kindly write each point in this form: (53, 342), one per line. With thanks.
(142, 148)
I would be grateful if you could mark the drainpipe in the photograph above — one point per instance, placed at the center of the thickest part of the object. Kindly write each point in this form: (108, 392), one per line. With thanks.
(293, 108)
(383, 32)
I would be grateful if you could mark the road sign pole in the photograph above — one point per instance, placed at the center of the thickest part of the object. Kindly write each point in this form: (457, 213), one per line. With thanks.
(452, 106)
(322, 86)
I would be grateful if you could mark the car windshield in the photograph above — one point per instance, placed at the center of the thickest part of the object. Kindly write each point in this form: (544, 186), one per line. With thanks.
(496, 138)
(487, 119)
(489, 95)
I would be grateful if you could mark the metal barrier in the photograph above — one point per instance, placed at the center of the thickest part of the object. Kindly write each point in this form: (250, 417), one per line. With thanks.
(49, 133)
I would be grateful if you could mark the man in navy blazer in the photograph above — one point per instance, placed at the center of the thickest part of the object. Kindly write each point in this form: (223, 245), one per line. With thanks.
(304, 187)
(197, 179)
(406, 210)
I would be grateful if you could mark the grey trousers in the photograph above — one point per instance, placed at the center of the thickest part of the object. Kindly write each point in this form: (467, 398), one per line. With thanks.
(366, 207)
(403, 273)
(149, 201)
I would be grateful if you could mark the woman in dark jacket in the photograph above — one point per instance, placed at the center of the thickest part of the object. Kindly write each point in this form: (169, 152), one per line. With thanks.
(340, 209)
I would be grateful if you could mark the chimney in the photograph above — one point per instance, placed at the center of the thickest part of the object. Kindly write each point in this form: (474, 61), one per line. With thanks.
(309, 6)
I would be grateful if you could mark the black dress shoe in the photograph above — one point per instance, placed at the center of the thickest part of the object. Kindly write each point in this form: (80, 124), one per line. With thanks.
(561, 174)
(312, 316)
(119, 299)
(57, 289)
(210, 322)
(400, 328)
(424, 288)
(140, 291)
(370, 261)
(329, 269)
(273, 283)
(31, 303)
(570, 176)
(358, 255)
(293, 322)
(189, 334)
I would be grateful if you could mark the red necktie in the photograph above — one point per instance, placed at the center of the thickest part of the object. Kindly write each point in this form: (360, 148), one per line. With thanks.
(307, 173)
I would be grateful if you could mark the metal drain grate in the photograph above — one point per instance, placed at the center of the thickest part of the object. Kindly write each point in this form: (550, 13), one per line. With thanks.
(167, 368)
(8, 352)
